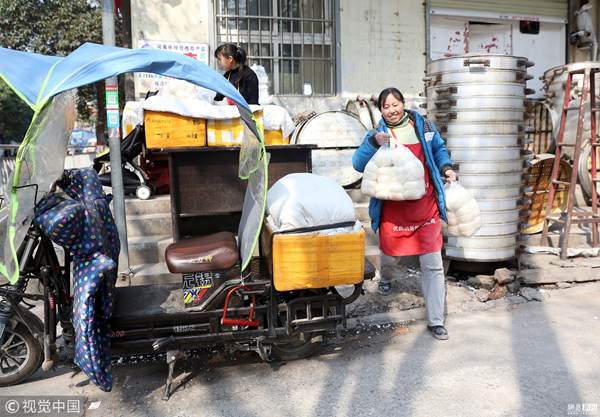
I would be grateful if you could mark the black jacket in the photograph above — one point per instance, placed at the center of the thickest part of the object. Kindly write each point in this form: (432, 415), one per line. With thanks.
(248, 86)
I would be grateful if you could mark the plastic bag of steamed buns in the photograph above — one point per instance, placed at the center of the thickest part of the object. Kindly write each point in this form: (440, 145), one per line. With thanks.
(464, 218)
(394, 173)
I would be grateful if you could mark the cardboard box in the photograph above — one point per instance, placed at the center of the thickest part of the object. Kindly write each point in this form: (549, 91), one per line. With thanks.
(314, 260)
(227, 132)
(275, 137)
(170, 130)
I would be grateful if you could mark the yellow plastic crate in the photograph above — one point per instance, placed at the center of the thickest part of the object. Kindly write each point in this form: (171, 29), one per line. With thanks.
(170, 130)
(275, 137)
(314, 260)
(227, 132)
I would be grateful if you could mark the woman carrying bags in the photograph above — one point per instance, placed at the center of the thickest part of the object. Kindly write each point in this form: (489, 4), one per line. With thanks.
(233, 60)
(411, 227)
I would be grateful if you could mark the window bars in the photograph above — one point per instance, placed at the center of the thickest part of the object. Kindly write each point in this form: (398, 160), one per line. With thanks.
(294, 40)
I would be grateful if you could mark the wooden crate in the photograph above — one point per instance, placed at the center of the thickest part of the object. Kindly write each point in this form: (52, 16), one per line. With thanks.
(170, 130)
(314, 260)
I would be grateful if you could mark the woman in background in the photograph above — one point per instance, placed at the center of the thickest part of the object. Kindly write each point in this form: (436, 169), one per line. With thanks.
(233, 60)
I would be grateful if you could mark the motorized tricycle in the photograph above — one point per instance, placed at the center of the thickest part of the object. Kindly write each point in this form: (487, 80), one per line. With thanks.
(240, 310)
(226, 295)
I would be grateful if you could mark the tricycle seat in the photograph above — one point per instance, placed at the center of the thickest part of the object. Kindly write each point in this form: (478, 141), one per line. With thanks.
(208, 253)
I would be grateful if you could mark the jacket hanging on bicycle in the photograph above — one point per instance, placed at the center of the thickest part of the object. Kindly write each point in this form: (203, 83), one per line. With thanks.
(83, 225)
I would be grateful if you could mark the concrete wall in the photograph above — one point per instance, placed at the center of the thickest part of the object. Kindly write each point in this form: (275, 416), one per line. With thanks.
(382, 44)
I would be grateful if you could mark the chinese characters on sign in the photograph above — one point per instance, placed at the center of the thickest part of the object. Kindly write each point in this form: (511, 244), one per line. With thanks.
(152, 82)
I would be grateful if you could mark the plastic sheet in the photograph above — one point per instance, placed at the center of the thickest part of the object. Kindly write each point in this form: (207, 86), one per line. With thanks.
(41, 158)
(394, 173)
(462, 210)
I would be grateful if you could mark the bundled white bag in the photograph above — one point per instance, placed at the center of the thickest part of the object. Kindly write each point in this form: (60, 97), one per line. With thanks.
(304, 200)
(183, 90)
(394, 173)
(464, 217)
(178, 90)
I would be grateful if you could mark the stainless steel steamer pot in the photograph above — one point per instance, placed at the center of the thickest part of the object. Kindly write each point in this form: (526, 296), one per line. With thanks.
(468, 167)
(361, 110)
(338, 134)
(555, 82)
(475, 116)
(478, 103)
(470, 62)
(448, 129)
(464, 90)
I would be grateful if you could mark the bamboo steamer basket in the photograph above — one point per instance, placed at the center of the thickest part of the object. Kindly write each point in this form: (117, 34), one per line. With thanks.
(541, 172)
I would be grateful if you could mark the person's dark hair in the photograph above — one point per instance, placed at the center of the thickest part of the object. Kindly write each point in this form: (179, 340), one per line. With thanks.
(239, 56)
(393, 91)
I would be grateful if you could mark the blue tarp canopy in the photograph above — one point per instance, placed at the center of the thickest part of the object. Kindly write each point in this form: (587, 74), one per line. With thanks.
(37, 79)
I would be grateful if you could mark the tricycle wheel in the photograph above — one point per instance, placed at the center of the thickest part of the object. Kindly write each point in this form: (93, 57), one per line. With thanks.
(298, 349)
(20, 356)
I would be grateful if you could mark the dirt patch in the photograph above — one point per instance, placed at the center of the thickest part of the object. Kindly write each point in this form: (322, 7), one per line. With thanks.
(407, 294)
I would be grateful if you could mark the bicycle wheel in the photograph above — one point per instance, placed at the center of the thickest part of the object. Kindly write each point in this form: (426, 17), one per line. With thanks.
(20, 356)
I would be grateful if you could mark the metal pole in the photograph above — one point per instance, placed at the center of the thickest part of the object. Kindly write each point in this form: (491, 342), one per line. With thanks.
(427, 31)
(127, 43)
(114, 143)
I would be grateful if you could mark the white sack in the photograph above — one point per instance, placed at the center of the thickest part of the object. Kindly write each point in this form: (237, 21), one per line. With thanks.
(394, 173)
(178, 90)
(305, 200)
(183, 90)
(205, 94)
(462, 211)
(278, 118)
(264, 97)
(193, 108)
(130, 116)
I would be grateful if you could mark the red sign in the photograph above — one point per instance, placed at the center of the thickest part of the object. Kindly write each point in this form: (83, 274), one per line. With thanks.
(532, 19)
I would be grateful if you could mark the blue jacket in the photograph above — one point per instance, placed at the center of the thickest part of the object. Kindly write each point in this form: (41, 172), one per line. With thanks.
(436, 158)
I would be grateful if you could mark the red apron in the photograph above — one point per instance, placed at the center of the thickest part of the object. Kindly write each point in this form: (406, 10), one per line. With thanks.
(411, 227)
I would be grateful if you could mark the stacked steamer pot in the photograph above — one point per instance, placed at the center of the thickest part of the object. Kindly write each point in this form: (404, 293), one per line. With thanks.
(338, 135)
(478, 104)
(366, 111)
(555, 82)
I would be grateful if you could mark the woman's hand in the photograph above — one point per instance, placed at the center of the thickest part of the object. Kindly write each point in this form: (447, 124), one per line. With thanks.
(450, 174)
(382, 138)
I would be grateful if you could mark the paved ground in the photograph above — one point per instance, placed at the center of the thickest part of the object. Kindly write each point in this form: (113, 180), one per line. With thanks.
(514, 359)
